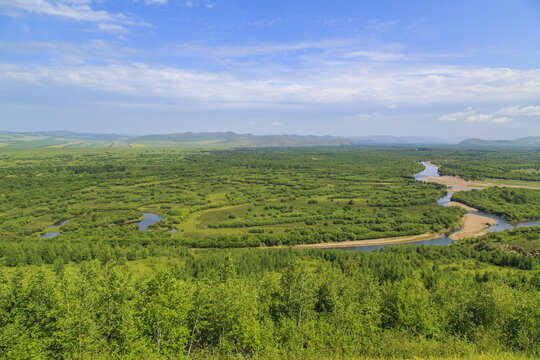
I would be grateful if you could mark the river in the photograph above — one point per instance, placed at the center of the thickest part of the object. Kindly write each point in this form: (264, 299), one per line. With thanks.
(433, 171)
(429, 171)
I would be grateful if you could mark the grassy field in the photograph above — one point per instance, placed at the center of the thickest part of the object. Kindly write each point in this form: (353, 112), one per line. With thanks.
(224, 198)
(514, 182)
(220, 198)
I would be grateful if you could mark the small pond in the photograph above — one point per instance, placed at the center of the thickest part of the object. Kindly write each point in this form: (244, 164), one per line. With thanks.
(148, 220)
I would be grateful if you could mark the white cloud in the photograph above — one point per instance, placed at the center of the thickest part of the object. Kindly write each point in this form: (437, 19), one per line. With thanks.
(67, 53)
(532, 110)
(502, 120)
(159, 2)
(320, 75)
(456, 116)
(259, 49)
(74, 10)
(331, 71)
(112, 28)
(487, 118)
(276, 123)
(471, 116)
(376, 55)
(312, 85)
(368, 116)
(194, 3)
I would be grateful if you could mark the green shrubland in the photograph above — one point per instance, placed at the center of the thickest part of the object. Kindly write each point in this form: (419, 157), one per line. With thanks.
(105, 290)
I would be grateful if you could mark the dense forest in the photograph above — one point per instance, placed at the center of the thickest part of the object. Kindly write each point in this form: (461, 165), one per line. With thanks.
(104, 289)
(489, 164)
(404, 301)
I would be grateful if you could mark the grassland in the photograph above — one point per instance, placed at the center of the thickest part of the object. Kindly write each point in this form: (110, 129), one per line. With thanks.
(220, 198)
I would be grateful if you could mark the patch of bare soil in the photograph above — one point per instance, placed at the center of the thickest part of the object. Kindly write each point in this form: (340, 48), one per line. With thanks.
(473, 225)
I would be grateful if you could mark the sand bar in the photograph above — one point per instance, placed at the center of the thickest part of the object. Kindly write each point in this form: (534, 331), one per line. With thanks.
(463, 206)
(473, 225)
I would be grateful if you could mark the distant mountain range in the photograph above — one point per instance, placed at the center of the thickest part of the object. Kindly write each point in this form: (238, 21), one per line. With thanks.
(390, 139)
(237, 140)
(68, 139)
(59, 139)
(530, 141)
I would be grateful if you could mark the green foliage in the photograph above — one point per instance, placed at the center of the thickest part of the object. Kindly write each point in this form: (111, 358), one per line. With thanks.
(214, 199)
(401, 302)
(103, 289)
(491, 164)
(162, 314)
(510, 246)
(510, 204)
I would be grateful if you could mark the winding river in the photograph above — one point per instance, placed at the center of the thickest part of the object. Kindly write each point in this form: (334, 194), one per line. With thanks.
(433, 171)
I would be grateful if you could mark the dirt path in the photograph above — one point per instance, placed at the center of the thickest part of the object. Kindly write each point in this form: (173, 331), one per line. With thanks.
(353, 243)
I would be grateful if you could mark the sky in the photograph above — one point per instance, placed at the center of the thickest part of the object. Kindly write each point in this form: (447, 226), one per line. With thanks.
(450, 68)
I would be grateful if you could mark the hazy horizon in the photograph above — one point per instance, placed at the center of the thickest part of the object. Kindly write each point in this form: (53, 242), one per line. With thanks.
(447, 140)
(454, 71)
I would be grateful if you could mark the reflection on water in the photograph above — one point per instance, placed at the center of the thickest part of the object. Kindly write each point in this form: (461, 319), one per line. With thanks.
(54, 233)
(429, 171)
(445, 200)
(148, 220)
(50, 235)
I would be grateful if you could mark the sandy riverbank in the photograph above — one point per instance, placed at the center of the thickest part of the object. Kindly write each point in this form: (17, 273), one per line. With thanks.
(473, 225)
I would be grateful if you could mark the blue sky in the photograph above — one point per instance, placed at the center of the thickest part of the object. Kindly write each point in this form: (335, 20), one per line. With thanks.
(453, 69)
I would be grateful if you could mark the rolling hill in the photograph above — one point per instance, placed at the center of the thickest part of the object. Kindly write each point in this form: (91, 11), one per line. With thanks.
(69, 140)
(530, 141)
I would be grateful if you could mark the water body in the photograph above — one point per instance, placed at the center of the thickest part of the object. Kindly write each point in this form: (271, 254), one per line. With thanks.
(61, 224)
(50, 235)
(429, 171)
(433, 171)
(54, 233)
(148, 220)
